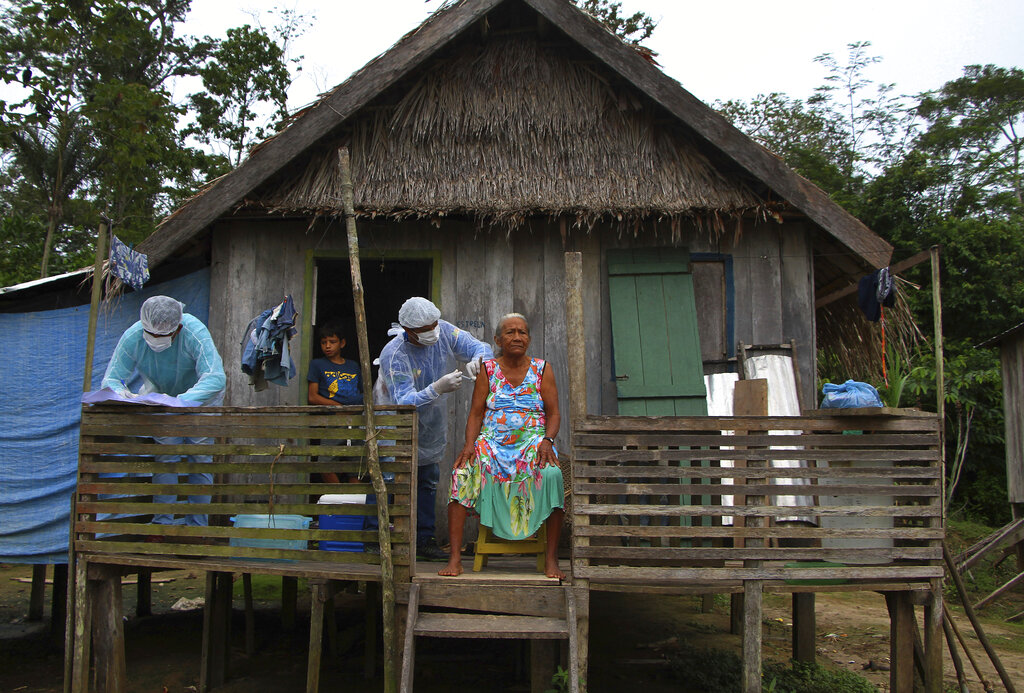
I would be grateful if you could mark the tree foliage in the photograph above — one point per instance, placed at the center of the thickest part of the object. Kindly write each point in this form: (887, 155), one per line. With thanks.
(95, 127)
(939, 169)
(633, 29)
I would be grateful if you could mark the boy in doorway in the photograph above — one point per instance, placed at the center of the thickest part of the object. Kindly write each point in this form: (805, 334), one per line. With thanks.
(333, 379)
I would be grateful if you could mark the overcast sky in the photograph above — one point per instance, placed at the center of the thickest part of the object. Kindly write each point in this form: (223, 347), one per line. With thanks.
(734, 49)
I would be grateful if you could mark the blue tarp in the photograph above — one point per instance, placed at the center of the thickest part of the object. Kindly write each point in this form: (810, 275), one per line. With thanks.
(40, 410)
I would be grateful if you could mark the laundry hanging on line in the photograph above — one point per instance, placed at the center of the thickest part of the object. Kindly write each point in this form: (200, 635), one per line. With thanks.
(264, 346)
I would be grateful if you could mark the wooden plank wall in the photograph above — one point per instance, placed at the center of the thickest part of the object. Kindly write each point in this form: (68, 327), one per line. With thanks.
(487, 272)
(1012, 354)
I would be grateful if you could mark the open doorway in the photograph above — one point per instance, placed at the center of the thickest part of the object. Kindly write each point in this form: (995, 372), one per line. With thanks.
(387, 283)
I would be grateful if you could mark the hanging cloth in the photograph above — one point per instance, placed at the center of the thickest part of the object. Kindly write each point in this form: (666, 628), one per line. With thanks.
(874, 291)
(264, 346)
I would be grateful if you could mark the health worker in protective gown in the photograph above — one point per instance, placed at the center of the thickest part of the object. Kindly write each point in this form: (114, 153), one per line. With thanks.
(174, 354)
(418, 367)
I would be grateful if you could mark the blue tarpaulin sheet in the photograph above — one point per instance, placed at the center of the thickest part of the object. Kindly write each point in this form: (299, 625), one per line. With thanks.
(40, 410)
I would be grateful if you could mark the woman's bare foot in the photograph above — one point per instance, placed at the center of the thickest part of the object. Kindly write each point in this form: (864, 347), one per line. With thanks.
(453, 569)
(551, 568)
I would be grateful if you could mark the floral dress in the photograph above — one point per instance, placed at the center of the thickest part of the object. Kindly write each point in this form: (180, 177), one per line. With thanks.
(503, 482)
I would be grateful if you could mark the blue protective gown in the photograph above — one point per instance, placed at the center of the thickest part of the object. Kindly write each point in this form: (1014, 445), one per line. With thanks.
(408, 371)
(190, 368)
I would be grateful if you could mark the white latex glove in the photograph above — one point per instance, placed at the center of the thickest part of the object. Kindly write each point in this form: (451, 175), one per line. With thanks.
(448, 383)
(472, 368)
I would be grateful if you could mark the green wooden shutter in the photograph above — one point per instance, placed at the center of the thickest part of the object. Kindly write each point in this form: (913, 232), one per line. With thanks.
(657, 358)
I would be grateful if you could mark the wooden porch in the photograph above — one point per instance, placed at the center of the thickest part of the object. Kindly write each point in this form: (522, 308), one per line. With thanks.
(660, 505)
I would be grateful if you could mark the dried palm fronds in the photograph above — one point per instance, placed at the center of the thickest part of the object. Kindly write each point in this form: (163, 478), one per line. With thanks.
(513, 128)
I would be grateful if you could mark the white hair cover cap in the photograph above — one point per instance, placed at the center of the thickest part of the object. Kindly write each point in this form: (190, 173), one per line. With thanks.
(418, 312)
(160, 314)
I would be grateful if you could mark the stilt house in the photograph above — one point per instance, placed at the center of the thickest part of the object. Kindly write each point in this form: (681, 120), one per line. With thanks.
(486, 142)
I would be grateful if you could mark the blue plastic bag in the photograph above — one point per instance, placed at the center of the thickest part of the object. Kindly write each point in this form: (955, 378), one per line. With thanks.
(849, 395)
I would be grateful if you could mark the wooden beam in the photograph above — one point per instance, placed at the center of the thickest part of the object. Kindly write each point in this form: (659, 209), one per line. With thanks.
(852, 288)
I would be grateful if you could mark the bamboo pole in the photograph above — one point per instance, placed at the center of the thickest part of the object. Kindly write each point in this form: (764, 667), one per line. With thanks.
(948, 619)
(94, 306)
(954, 653)
(940, 374)
(373, 463)
(969, 610)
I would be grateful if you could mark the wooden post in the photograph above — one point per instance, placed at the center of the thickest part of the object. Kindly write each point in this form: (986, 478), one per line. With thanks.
(59, 605)
(752, 599)
(940, 374)
(577, 360)
(576, 339)
(37, 596)
(108, 630)
(79, 680)
(901, 642)
(250, 615)
(144, 593)
(933, 639)
(70, 627)
(94, 306)
(289, 601)
(383, 521)
(317, 598)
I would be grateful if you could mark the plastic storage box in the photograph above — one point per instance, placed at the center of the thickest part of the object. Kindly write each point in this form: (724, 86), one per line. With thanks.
(271, 522)
(349, 522)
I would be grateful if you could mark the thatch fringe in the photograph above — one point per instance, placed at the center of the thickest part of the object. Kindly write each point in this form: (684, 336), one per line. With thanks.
(512, 129)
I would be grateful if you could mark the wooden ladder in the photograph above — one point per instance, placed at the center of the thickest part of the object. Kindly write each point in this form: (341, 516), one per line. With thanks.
(487, 626)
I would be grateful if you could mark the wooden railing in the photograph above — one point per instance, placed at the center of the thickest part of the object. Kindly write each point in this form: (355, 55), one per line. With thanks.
(692, 500)
(263, 460)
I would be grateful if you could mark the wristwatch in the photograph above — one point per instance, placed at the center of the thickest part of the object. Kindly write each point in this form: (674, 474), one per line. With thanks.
(549, 439)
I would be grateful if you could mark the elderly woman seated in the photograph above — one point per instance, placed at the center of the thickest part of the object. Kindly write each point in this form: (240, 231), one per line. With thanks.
(508, 472)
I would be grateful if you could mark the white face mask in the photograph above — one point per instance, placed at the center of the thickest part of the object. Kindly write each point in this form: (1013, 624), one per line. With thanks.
(157, 344)
(429, 337)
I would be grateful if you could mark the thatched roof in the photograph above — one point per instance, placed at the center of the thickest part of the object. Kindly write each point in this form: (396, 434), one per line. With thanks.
(510, 128)
(424, 143)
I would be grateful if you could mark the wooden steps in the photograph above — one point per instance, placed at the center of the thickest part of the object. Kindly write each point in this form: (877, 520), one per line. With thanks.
(558, 621)
(491, 626)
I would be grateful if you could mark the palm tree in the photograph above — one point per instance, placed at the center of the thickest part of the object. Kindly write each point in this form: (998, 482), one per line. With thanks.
(54, 161)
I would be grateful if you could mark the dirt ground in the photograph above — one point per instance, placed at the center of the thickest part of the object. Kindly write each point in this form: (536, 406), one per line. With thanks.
(633, 640)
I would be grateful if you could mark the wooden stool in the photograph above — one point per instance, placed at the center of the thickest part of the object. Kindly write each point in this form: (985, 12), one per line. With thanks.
(487, 543)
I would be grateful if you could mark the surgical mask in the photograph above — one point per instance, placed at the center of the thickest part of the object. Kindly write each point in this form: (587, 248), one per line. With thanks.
(429, 337)
(157, 344)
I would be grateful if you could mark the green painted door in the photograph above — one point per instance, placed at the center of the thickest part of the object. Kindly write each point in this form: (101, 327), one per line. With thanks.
(657, 358)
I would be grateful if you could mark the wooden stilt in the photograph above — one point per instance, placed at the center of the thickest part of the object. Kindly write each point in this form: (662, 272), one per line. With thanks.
(409, 650)
(373, 596)
(318, 597)
(543, 659)
(901, 642)
(289, 601)
(736, 613)
(144, 593)
(752, 602)
(59, 604)
(803, 627)
(108, 631)
(82, 631)
(250, 615)
(37, 597)
(933, 640)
